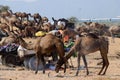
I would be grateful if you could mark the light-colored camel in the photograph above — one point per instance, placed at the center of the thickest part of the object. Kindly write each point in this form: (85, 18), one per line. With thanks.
(86, 45)
(114, 30)
(9, 39)
(10, 21)
(5, 14)
(4, 27)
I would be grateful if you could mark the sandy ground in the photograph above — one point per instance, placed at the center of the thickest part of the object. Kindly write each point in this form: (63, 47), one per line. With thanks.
(113, 72)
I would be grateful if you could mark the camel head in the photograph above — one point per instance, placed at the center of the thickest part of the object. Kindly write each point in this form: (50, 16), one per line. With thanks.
(60, 63)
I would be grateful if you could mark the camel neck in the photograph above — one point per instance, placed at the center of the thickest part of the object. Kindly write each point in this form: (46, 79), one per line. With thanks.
(27, 46)
(70, 53)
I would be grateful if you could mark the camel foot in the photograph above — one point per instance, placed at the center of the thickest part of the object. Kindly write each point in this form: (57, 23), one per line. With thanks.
(36, 72)
(103, 74)
(99, 74)
(87, 73)
(43, 72)
(76, 74)
(100, 63)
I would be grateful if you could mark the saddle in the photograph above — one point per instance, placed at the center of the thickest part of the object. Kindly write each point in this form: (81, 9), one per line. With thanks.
(9, 48)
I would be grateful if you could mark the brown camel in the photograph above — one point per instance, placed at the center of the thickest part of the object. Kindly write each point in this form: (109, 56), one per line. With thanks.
(71, 33)
(21, 15)
(61, 23)
(44, 19)
(30, 31)
(41, 49)
(97, 28)
(25, 15)
(37, 17)
(10, 21)
(85, 45)
(46, 27)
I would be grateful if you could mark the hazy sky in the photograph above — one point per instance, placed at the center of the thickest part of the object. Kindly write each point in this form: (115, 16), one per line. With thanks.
(67, 8)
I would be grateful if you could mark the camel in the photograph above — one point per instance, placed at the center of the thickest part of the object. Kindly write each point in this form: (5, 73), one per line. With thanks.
(25, 15)
(5, 13)
(37, 17)
(4, 27)
(54, 24)
(17, 14)
(44, 19)
(25, 27)
(62, 23)
(86, 45)
(47, 27)
(21, 15)
(97, 28)
(10, 21)
(81, 29)
(41, 49)
(30, 31)
(71, 33)
(114, 30)
(9, 39)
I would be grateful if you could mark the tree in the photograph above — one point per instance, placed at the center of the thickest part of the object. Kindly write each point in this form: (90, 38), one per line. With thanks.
(4, 8)
(73, 20)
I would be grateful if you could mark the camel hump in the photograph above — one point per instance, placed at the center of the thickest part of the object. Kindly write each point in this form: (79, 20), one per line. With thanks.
(92, 35)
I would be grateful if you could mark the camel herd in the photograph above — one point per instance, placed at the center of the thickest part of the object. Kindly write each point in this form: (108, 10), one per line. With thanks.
(88, 38)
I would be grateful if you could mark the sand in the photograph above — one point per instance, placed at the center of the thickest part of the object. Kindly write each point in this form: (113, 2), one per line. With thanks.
(113, 72)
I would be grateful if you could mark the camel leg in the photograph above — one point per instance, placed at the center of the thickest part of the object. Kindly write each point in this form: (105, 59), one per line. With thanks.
(85, 63)
(106, 63)
(102, 54)
(100, 63)
(27, 18)
(54, 56)
(38, 61)
(11, 27)
(65, 67)
(78, 60)
(35, 20)
(43, 62)
(71, 63)
(112, 35)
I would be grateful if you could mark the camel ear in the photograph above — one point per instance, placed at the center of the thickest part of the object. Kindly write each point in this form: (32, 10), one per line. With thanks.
(10, 11)
(40, 18)
(85, 23)
(53, 18)
(29, 13)
(89, 23)
(97, 24)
